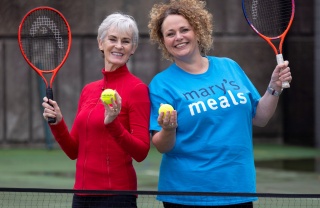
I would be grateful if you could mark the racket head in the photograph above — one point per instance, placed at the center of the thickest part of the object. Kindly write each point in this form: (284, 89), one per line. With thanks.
(271, 19)
(44, 38)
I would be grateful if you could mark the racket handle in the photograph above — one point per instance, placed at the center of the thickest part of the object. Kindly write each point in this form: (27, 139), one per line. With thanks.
(280, 60)
(49, 94)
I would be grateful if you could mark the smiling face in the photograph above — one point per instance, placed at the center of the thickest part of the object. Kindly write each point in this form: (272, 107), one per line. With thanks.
(117, 48)
(179, 37)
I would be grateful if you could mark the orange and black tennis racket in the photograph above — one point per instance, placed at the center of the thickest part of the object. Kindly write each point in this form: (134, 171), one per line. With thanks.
(45, 40)
(271, 20)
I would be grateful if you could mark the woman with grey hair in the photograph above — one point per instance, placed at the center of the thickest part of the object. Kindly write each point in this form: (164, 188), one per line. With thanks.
(104, 138)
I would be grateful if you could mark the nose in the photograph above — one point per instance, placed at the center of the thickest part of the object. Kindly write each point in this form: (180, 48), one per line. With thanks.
(178, 36)
(119, 45)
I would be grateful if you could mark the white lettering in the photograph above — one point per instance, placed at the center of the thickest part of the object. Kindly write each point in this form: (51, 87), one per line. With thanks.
(212, 104)
(243, 99)
(197, 106)
(224, 102)
(232, 98)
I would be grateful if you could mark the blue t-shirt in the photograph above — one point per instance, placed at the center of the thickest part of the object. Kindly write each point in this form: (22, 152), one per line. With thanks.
(213, 150)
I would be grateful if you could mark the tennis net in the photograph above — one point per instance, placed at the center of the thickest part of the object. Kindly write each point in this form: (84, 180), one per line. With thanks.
(42, 198)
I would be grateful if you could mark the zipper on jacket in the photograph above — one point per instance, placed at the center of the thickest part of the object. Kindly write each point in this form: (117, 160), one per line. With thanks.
(108, 170)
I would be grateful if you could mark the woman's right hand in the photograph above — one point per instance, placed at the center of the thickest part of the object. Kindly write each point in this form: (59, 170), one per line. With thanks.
(52, 110)
(169, 121)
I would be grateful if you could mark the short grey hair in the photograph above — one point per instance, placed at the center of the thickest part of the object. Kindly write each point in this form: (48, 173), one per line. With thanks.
(122, 22)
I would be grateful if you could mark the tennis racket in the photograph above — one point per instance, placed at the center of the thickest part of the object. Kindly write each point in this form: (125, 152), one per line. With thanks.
(44, 38)
(271, 20)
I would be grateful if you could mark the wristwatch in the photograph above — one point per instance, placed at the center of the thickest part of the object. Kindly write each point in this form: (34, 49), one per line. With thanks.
(274, 92)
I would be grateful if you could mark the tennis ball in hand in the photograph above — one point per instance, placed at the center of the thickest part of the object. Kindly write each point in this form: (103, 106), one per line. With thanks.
(164, 108)
(106, 96)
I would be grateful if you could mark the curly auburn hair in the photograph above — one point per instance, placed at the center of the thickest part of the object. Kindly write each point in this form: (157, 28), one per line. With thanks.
(195, 13)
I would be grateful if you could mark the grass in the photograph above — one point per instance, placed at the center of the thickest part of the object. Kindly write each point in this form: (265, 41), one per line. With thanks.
(41, 168)
(35, 168)
(52, 169)
(271, 152)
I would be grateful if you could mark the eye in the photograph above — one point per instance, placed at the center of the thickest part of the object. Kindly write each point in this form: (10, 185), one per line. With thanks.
(126, 41)
(171, 34)
(185, 30)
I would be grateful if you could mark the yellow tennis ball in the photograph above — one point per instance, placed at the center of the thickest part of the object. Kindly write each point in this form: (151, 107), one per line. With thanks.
(165, 108)
(106, 96)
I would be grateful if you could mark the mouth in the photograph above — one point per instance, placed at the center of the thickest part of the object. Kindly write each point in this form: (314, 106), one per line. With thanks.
(117, 54)
(181, 45)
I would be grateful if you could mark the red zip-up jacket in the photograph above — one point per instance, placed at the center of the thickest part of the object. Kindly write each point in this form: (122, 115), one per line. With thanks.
(104, 152)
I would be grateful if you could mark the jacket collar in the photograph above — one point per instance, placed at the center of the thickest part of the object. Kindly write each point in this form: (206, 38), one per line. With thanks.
(114, 74)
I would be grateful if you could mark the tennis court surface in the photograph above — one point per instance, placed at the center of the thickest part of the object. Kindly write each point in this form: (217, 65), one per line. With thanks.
(287, 176)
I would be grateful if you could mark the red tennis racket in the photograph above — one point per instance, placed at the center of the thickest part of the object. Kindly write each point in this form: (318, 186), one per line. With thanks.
(44, 38)
(271, 20)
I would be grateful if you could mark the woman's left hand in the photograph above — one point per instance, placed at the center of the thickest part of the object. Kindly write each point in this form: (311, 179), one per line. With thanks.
(280, 74)
(112, 111)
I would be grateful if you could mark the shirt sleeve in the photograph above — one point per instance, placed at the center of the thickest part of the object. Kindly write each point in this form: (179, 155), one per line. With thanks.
(136, 141)
(67, 143)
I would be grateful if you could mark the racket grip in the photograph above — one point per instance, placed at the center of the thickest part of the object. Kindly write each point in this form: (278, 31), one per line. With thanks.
(49, 94)
(280, 60)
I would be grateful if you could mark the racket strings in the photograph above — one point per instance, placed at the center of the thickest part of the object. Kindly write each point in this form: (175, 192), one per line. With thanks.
(270, 17)
(44, 38)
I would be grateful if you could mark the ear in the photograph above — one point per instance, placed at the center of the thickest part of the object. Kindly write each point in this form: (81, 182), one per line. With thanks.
(133, 50)
(100, 44)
